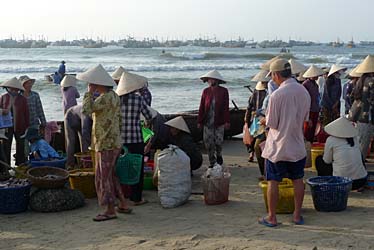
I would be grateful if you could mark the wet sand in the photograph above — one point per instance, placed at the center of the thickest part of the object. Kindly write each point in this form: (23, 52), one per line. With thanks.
(232, 225)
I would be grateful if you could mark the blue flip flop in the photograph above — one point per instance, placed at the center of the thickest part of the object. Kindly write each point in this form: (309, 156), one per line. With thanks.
(300, 222)
(266, 223)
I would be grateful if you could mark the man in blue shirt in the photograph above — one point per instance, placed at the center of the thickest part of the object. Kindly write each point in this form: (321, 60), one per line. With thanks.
(62, 69)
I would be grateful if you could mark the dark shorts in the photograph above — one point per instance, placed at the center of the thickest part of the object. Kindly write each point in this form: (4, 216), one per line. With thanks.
(284, 169)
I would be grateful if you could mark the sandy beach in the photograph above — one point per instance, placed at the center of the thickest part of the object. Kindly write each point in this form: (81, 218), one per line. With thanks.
(195, 225)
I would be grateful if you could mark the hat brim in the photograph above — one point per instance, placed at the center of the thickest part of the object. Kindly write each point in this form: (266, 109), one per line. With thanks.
(205, 79)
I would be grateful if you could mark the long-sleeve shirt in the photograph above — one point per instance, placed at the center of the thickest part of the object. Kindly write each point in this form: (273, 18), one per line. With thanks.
(132, 105)
(69, 97)
(61, 69)
(331, 93)
(313, 90)
(161, 137)
(106, 117)
(362, 109)
(44, 150)
(147, 95)
(221, 110)
(36, 111)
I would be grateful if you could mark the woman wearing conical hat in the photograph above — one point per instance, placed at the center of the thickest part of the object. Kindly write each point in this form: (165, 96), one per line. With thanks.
(106, 140)
(214, 115)
(311, 86)
(331, 94)
(132, 106)
(69, 92)
(342, 156)
(14, 106)
(362, 110)
(255, 103)
(181, 137)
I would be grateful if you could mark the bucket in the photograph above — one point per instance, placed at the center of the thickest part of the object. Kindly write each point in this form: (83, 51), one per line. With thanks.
(79, 156)
(286, 203)
(84, 181)
(317, 149)
(216, 190)
(148, 181)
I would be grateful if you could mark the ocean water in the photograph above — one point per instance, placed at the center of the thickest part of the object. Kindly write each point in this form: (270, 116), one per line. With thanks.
(173, 76)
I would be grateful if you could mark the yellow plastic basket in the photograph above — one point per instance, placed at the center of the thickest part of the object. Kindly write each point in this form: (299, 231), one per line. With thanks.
(84, 181)
(286, 203)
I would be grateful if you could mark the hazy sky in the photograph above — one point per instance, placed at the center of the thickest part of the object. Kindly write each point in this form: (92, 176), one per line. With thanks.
(318, 20)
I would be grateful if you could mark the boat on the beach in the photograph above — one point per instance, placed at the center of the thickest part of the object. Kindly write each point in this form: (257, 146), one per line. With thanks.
(236, 122)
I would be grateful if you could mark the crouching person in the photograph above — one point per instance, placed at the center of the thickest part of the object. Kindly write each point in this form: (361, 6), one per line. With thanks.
(39, 148)
(180, 136)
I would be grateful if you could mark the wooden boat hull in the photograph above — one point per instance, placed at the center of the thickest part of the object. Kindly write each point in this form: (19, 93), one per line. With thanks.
(236, 122)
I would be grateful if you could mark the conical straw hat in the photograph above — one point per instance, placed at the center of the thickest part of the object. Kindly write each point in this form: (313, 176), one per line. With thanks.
(367, 66)
(297, 67)
(260, 86)
(335, 68)
(130, 82)
(214, 74)
(68, 81)
(13, 83)
(266, 65)
(313, 71)
(2, 134)
(261, 76)
(24, 79)
(118, 73)
(354, 73)
(342, 128)
(300, 77)
(179, 123)
(97, 75)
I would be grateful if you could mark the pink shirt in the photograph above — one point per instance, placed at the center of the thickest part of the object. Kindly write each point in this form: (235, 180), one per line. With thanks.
(288, 109)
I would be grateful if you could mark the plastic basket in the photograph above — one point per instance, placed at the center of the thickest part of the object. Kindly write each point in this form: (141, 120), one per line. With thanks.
(58, 163)
(14, 200)
(84, 181)
(315, 152)
(330, 193)
(81, 155)
(147, 134)
(128, 167)
(216, 190)
(285, 203)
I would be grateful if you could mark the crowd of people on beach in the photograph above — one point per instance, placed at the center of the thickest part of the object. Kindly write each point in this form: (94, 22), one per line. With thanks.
(292, 106)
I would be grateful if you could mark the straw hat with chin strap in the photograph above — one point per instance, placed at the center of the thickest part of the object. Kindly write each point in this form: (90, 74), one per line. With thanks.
(297, 67)
(261, 76)
(335, 68)
(68, 81)
(313, 71)
(118, 73)
(97, 75)
(214, 74)
(12, 83)
(130, 82)
(342, 128)
(178, 123)
(367, 66)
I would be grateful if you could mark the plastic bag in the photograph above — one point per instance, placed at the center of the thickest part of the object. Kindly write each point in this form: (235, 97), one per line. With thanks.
(174, 177)
(247, 138)
(254, 126)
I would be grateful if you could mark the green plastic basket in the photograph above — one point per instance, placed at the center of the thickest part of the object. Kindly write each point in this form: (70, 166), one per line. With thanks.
(147, 134)
(128, 167)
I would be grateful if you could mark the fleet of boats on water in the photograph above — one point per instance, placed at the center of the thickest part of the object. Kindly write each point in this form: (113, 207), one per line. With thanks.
(131, 42)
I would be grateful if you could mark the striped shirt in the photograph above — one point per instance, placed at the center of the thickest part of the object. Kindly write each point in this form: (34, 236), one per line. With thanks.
(132, 105)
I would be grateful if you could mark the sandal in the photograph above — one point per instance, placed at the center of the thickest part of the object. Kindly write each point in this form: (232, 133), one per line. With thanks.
(139, 203)
(104, 217)
(300, 222)
(266, 223)
(124, 210)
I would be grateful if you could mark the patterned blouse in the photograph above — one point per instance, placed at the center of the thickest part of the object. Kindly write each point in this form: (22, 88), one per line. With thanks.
(106, 118)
